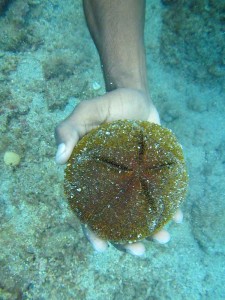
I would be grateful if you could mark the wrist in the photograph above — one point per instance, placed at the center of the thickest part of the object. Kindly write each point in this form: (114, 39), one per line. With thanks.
(125, 74)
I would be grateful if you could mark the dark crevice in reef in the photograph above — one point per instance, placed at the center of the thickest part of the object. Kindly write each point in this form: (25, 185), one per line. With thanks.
(4, 6)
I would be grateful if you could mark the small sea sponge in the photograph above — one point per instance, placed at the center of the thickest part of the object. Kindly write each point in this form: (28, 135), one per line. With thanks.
(126, 179)
(11, 158)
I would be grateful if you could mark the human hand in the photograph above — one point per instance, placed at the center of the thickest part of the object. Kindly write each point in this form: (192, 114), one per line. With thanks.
(137, 248)
(115, 105)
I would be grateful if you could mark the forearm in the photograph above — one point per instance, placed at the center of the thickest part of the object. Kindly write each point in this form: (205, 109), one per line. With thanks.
(117, 28)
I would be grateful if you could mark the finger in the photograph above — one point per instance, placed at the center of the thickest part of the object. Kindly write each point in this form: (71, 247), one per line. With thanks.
(162, 236)
(136, 249)
(64, 151)
(98, 244)
(66, 138)
(178, 217)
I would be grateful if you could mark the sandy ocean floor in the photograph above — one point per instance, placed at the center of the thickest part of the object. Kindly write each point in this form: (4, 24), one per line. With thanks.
(48, 64)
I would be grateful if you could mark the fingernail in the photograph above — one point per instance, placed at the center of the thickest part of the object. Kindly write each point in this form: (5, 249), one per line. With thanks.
(59, 154)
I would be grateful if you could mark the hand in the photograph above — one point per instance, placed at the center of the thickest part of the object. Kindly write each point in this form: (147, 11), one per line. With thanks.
(115, 105)
(137, 249)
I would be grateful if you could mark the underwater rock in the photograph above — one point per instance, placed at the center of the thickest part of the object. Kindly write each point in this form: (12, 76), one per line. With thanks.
(169, 2)
(3, 5)
(126, 179)
(199, 105)
(193, 28)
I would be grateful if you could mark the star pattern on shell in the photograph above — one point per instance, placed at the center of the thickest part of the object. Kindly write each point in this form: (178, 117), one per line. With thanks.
(126, 179)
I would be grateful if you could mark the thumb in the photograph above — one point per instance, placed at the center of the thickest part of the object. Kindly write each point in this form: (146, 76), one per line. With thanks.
(66, 142)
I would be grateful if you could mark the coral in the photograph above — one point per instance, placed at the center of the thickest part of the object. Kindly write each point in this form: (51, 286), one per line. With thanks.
(126, 179)
(16, 33)
(3, 5)
(58, 65)
(190, 30)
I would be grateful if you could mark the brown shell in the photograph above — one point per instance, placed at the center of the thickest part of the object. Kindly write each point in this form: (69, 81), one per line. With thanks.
(126, 179)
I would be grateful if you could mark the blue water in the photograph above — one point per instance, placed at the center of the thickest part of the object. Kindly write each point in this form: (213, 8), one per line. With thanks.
(48, 64)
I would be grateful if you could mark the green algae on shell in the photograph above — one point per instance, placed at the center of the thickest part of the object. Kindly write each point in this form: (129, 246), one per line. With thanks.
(126, 179)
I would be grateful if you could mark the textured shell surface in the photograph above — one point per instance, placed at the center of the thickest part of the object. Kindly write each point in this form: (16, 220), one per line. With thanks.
(126, 179)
